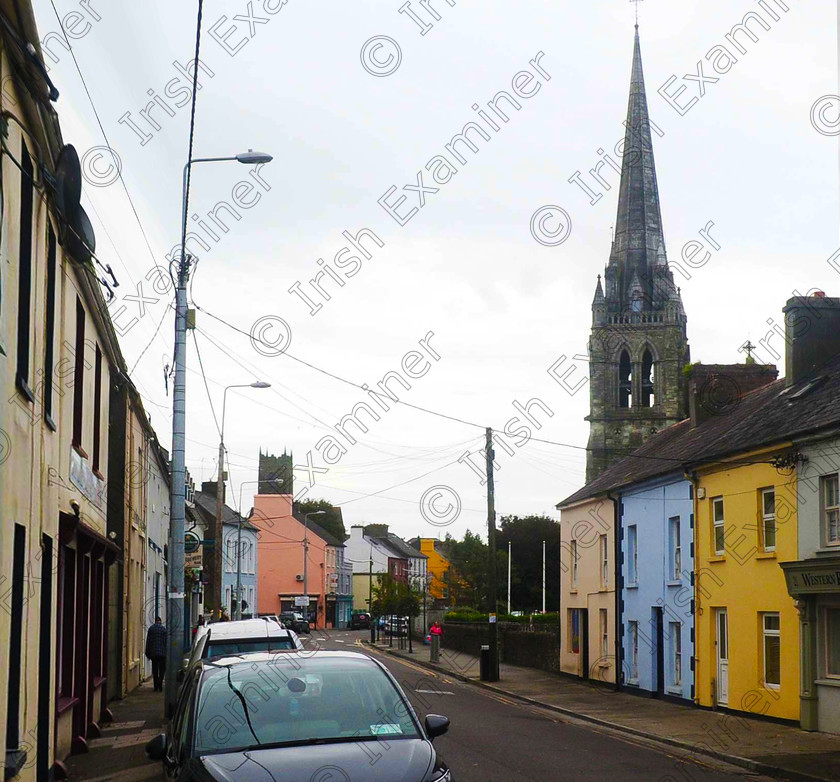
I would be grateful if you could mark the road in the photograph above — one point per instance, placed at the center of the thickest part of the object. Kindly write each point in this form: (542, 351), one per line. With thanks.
(494, 739)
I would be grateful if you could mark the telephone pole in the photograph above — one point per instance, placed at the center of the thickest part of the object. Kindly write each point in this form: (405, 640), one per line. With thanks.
(508, 578)
(491, 546)
(543, 601)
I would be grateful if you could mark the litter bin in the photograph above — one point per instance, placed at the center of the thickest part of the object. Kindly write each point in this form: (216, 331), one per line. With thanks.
(484, 663)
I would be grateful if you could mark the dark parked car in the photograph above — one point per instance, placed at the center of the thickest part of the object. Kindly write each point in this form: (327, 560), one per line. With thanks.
(295, 621)
(287, 717)
(360, 621)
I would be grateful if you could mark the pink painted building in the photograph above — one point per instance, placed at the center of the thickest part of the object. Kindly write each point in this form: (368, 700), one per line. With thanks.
(282, 576)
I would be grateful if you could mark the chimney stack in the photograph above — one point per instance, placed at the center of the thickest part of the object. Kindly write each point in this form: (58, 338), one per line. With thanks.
(812, 334)
(717, 389)
(209, 487)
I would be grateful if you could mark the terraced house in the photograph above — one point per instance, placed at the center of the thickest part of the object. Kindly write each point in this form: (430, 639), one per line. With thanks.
(72, 425)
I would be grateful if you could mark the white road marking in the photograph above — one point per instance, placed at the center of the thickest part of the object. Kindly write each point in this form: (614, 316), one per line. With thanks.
(435, 692)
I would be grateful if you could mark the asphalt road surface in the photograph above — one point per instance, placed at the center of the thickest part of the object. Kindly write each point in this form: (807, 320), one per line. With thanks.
(495, 739)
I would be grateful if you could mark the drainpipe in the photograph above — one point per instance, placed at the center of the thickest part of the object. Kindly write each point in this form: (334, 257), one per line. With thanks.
(619, 585)
(692, 476)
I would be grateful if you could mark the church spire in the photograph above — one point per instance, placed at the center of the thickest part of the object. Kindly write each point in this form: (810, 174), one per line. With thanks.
(639, 242)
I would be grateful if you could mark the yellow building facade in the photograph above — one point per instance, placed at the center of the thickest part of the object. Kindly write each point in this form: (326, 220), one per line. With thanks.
(747, 627)
(437, 567)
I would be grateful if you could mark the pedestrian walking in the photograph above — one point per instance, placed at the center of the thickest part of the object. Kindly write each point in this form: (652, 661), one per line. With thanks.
(156, 639)
(436, 629)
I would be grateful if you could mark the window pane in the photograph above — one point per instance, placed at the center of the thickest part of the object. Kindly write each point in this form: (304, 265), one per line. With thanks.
(830, 490)
(771, 659)
(833, 525)
(719, 539)
(769, 503)
(718, 510)
(771, 622)
(833, 641)
(770, 533)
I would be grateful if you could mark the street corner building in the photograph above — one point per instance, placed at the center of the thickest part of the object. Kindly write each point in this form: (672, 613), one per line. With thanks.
(81, 523)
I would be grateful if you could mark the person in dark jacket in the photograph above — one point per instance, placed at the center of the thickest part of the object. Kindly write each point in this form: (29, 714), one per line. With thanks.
(156, 639)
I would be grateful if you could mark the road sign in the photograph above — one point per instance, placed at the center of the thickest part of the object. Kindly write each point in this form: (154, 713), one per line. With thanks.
(301, 601)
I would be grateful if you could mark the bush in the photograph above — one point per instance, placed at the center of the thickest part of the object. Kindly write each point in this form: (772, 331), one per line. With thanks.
(467, 615)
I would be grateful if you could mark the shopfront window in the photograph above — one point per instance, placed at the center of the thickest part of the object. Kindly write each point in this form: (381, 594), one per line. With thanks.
(832, 645)
(772, 651)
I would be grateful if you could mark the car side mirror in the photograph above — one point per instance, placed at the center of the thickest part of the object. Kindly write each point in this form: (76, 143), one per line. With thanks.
(156, 748)
(436, 725)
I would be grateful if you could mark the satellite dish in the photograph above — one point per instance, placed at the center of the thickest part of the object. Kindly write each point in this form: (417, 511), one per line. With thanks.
(78, 237)
(68, 178)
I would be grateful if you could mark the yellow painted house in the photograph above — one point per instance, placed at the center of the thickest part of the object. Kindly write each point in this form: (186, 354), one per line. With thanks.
(746, 624)
(438, 567)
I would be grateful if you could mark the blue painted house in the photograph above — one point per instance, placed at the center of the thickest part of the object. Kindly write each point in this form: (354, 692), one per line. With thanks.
(248, 576)
(657, 595)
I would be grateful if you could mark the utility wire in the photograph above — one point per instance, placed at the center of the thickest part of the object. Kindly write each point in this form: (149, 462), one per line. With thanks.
(101, 128)
(149, 343)
(192, 120)
(206, 387)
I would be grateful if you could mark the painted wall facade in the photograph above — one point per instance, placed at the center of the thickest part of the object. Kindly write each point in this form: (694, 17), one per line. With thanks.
(657, 523)
(747, 624)
(587, 590)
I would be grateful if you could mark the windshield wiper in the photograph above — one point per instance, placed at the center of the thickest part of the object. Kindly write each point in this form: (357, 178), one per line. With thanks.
(244, 707)
(312, 741)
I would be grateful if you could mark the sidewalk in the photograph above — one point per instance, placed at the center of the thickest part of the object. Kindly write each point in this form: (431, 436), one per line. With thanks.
(120, 752)
(759, 745)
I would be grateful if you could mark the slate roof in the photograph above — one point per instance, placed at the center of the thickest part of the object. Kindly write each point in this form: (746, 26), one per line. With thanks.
(399, 545)
(327, 537)
(767, 416)
(205, 502)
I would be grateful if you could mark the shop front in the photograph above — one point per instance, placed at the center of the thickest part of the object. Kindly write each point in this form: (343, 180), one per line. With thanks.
(814, 585)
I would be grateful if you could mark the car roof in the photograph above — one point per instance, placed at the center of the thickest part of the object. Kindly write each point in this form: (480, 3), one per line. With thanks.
(249, 658)
(246, 628)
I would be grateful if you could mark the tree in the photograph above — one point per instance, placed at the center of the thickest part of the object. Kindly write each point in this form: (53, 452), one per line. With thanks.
(526, 535)
(332, 521)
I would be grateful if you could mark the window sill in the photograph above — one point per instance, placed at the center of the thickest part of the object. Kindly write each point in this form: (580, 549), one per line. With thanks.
(827, 682)
(766, 555)
(675, 690)
(48, 419)
(65, 704)
(634, 585)
(717, 558)
(674, 583)
(98, 474)
(603, 589)
(573, 591)
(24, 389)
(633, 682)
(79, 450)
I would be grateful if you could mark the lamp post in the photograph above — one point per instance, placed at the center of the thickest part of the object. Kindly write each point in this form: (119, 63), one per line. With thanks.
(177, 640)
(219, 534)
(306, 552)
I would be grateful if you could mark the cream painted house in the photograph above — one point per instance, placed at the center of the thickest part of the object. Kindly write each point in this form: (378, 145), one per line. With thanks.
(587, 589)
(61, 360)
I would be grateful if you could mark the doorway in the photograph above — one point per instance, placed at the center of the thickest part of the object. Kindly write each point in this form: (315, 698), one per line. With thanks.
(660, 651)
(722, 643)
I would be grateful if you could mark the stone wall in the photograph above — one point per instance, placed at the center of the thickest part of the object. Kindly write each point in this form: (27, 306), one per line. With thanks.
(517, 646)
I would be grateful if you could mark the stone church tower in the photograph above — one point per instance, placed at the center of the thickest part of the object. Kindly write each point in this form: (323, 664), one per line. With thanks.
(638, 346)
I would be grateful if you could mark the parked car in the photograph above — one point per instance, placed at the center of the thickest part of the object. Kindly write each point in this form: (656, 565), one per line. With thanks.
(272, 617)
(246, 635)
(295, 621)
(360, 621)
(275, 710)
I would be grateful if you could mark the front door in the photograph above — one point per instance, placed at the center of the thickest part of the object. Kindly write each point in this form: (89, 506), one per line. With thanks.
(584, 641)
(722, 657)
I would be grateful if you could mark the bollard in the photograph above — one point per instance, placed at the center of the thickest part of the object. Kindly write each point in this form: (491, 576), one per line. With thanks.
(435, 654)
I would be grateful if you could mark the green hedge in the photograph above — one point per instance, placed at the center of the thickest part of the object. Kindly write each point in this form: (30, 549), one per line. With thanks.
(477, 616)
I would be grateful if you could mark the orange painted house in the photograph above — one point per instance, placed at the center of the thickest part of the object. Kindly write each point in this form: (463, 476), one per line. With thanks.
(282, 576)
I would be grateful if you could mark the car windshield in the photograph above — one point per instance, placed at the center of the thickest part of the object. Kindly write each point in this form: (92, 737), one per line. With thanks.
(293, 700)
(221, 648)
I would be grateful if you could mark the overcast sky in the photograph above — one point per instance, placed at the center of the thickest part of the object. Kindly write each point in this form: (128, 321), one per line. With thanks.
(503, 308)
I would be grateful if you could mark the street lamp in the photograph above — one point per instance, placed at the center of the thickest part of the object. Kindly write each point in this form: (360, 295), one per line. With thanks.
(219, 536)
(177, 496)
(306, 552)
